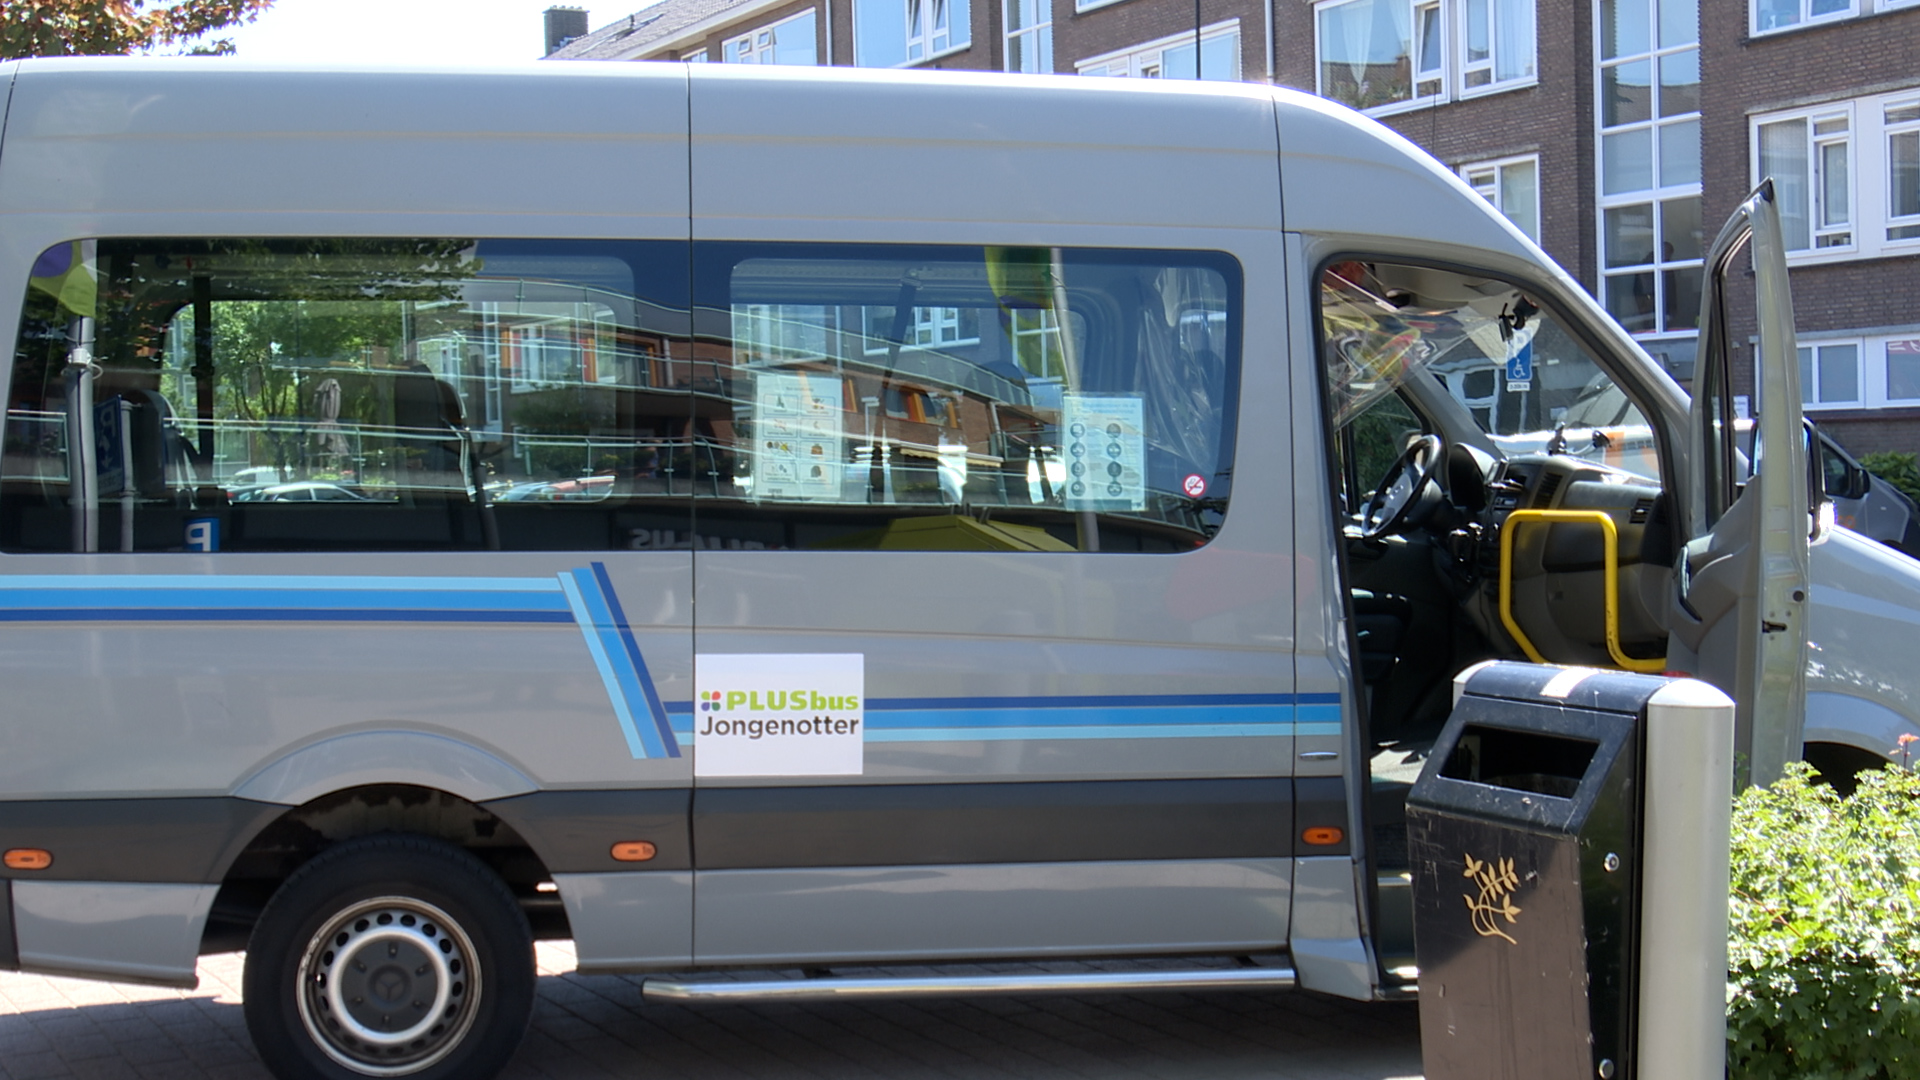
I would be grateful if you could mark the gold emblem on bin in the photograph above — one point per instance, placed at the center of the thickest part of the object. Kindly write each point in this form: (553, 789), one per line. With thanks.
(1497, 883)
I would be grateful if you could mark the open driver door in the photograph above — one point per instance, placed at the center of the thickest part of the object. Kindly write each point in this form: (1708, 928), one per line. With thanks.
(1739, 611)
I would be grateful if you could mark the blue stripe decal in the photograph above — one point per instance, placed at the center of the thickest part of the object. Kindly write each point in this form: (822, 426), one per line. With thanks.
(1146, 716)
(1077, 716)
(626, 684)
(584, 618)
(1124, 701)
(279, 598)
(282, 599)
(654, 708)
(110, 614)
(251, 582)
(1128, 731)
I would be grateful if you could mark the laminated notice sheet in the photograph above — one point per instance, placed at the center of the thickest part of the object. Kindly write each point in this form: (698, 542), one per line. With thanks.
(797, 437)
(1105, 451)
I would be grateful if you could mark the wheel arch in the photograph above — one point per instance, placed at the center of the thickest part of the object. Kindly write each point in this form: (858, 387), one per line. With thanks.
(300, 833)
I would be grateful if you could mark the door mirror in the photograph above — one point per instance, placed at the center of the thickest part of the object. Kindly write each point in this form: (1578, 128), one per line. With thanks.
(1840, 477)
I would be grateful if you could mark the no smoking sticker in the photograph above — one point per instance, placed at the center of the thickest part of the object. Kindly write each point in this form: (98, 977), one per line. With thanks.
(1194, 485)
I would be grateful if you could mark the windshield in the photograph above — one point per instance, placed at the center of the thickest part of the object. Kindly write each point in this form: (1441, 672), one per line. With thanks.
(1513, 368)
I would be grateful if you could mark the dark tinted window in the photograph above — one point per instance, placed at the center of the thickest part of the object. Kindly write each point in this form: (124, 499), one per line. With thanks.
(285, 395)
(870, 397)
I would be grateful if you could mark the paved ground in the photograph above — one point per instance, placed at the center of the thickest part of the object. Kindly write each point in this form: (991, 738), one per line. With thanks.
(591, 1027)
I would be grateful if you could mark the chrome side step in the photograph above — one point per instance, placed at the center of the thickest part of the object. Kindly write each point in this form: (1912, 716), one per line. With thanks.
(863, 988)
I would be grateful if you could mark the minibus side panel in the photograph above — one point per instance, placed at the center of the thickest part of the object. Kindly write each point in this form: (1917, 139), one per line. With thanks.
(174, 676)
(880, 914)
(990, 674)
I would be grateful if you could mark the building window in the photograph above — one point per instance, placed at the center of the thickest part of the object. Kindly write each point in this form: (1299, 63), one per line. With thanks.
(1807, 158)
(1648, 118)
(1174, 57)
(895, 33)
(1770, 15)
(1903, 369)
(789, 41)
(1830, 375)
(1512, 185)
(697, 56)
(924, 328)
(1847, 176)
(1383, 55)
(1029, 35)
(1903, 169)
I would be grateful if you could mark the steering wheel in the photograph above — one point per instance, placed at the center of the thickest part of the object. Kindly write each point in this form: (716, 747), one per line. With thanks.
(1400, 490)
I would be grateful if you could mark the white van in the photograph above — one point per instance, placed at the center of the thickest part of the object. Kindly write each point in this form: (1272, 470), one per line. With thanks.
(803, 520)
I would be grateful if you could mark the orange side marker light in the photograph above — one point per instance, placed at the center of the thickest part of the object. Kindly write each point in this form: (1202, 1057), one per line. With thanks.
(633, 851)
(27, 858)
(1323, 835)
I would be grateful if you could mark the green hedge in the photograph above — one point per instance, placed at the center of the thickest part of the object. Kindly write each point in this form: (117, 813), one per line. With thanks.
(1824, 939)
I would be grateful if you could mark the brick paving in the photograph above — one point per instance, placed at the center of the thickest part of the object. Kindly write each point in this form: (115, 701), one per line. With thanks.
(587, 1027)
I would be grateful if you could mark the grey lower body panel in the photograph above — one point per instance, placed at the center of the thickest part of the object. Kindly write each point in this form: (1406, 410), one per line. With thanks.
(867, 915)
(635, 921)
(1328, 950)
(132, 932)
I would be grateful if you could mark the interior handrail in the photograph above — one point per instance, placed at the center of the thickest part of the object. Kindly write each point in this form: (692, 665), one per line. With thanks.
(1610, 539)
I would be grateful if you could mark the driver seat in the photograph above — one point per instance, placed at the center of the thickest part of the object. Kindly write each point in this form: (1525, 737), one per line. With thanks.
(1380, 621)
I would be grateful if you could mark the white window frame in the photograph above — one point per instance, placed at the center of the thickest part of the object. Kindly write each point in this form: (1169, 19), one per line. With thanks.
(1454, 68)
(1881, 351)
(1810, 388)
(925, 32)
(1042, 29)
(1856, 9)
(753, 46)
(1475, 171)
(1889, 130)
(958, 34)
(1146, 60)
(1806, 17)
(1868, 138)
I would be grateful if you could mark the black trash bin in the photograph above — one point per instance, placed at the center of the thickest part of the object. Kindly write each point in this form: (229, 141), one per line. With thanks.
(1524, 830)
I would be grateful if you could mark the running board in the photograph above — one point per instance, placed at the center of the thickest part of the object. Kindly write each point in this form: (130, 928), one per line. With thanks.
(835, 988)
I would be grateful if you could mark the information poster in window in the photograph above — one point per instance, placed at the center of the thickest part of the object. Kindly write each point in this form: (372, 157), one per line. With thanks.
(1105, 451)
(798, 446)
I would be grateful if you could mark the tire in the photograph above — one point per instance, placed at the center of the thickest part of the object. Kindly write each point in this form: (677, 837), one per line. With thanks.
(421, 924)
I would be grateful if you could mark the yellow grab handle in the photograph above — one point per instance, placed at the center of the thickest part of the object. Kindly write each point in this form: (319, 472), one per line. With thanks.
(1610, 537)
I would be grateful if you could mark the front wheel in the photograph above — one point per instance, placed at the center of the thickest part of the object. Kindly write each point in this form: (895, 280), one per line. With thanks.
(389, 956)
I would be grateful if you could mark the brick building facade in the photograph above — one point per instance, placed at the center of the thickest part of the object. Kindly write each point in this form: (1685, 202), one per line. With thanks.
(1616, 132)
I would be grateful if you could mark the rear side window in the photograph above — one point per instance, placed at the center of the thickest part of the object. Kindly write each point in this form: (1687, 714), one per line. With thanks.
(340, 394)
(459, 394)
(972, 398)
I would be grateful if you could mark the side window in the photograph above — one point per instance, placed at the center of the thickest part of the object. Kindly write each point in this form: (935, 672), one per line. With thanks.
(883, 397)
(294, 395)
(1512, 368)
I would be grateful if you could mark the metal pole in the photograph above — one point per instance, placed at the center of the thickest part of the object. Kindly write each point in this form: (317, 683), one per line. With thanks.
(83, 470)
(1684, 882)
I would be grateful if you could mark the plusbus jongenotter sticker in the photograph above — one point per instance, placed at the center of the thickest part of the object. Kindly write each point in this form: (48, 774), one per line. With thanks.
(779, 714)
